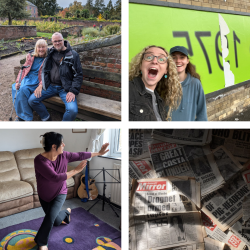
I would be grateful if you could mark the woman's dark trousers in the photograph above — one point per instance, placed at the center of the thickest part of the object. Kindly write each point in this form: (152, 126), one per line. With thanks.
(53, 217)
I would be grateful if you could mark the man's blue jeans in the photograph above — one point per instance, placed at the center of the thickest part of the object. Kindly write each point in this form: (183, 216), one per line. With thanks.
(71, 108)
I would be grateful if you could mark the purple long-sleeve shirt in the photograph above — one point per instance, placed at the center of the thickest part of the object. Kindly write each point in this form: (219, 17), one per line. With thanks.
(51, 175)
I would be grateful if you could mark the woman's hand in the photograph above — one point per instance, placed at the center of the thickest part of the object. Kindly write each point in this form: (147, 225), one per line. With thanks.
(81, 166)
(104, 149)
(17, 86)
(38, 91)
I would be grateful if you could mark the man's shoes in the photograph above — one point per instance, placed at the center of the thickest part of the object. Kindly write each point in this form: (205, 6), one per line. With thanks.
(18, 119)
(50, 119)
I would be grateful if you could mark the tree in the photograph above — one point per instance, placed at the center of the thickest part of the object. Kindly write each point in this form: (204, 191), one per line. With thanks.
(110, 8)
(64, 12)
(85, 13)
(13, 9)
(77, 13)
(89, 5)
(118, 8)
(98, 7)
(75, 6)
(45, 7)
(106, 14)
(58, 8)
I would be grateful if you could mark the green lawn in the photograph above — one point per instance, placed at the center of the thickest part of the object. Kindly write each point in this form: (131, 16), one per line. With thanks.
(49, 35)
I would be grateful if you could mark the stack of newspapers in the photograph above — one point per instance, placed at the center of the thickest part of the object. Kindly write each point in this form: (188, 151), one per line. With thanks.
(189, 189)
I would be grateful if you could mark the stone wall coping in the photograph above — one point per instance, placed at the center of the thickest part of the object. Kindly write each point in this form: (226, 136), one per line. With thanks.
(225, 90)
(18, 25)
(98, 43)
(186, 6)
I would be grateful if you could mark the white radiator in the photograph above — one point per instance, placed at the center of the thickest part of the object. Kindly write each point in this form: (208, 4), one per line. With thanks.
(116, 188)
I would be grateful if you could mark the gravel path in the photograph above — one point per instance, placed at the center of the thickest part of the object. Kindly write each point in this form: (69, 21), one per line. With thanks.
(6, 79)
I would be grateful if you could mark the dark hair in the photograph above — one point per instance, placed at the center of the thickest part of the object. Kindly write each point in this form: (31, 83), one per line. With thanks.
(180, 224)
(50, 139)
(191, 69)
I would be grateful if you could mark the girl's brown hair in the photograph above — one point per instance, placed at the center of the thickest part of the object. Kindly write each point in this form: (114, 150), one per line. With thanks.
(168, 88)
(191, 69)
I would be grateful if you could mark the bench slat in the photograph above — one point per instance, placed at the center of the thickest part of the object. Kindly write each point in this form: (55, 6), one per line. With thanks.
(97, 105)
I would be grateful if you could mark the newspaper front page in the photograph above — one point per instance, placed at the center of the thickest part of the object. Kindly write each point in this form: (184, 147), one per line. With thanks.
(237, 230)
(224, 206)
(226, 162)
(183, 136)
(141, 170)
(170, 159)
(216, 233)
(162, 216)
(237, 141)
(138, 143)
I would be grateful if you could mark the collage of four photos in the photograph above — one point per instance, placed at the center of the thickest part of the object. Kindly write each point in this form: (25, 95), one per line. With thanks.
(124, 124)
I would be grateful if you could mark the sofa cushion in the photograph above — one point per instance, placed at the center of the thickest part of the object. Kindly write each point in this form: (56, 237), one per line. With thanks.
(25, 162)
(32, 182)
(8, 167)
(12, 190)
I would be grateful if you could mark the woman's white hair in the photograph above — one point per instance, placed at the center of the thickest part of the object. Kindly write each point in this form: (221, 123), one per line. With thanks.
(40, 42)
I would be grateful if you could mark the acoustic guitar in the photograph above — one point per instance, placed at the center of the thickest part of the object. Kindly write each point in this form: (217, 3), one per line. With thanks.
(82, 190)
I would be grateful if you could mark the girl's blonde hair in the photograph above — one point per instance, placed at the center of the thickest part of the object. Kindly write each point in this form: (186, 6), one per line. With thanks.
(38, 43)
(168, 88)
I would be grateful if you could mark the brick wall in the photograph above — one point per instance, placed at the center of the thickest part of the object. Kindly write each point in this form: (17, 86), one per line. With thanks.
(104, 56)
(233, 5)
(225, 104)
(15, 32)
(33, 10)
(85, 23)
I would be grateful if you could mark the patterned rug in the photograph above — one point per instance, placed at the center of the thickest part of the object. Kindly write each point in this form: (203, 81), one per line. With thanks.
(85, 232)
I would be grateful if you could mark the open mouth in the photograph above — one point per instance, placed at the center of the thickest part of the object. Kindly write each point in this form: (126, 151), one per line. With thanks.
(152, 72)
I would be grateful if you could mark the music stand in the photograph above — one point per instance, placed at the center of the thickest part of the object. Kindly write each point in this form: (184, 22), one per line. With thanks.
(104, 198)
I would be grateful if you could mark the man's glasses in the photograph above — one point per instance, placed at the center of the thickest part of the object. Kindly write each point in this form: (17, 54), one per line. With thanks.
(59, 41)
(150, 57)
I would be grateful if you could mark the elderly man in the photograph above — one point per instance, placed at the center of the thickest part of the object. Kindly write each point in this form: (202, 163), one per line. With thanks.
(61, 75)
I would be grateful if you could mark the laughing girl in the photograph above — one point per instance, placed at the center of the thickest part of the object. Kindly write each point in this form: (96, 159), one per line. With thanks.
(153, 85)
(193, 103)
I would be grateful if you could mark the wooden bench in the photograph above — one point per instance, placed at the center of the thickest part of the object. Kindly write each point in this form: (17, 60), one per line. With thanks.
(93, 108)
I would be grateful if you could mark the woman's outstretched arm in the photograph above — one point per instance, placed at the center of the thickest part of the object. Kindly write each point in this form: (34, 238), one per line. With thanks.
(78, 169)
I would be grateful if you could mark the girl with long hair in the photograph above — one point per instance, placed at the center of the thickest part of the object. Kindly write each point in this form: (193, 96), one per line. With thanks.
(193, 103)
(31, 81)
(153, 85)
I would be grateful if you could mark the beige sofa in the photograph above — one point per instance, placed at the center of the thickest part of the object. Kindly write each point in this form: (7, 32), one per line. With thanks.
(18, 189)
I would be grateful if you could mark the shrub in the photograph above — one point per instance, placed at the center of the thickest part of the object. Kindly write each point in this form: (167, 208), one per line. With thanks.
(112, 29)
(42, 26)
(91, 32)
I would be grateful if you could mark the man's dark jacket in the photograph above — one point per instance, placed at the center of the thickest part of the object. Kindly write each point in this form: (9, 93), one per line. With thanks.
(70, 70)
(140, 102)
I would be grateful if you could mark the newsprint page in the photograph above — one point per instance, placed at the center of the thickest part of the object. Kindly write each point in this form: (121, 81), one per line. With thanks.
(189, 189)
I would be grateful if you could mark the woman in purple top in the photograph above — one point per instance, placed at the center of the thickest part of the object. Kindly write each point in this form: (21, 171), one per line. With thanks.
(51, 176)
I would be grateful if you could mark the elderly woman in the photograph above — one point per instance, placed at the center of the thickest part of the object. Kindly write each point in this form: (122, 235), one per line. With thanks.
(31, 81)
(153, 85)
(51, 176)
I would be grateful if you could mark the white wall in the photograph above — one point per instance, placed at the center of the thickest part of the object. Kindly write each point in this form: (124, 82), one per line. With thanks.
(99, 163)
(17, 139)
